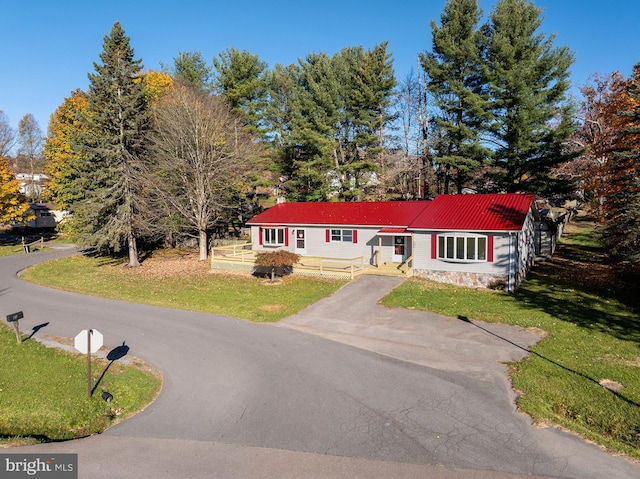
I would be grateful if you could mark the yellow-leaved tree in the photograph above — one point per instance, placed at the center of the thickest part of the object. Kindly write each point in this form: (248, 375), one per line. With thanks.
(157, 84)
(13, 206)
(61, 159)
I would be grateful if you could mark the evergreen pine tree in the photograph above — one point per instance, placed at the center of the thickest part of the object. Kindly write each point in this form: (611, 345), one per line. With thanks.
(366, 87)
(335, 110)
(112, 145)
(528, 79)
(311, 104)
(240, 77)
(453, 71)
(191, 68)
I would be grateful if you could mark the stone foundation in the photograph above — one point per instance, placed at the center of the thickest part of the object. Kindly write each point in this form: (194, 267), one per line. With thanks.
(468, 280)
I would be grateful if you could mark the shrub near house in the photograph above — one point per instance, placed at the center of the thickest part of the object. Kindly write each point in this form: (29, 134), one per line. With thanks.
(278, 263)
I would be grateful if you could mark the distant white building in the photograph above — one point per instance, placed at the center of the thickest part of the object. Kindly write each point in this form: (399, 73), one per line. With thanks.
(32, 185)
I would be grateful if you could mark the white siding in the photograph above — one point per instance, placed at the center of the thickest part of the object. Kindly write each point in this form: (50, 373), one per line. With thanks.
(317, 245)
(498, 266)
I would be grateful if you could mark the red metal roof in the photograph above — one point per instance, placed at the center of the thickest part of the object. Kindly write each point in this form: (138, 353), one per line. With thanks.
(381, 213)
(492, 212)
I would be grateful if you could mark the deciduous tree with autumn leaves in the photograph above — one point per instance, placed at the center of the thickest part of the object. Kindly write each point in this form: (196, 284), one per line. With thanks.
(13, 206)
(607, 168)
(62, 161)
(622, 205)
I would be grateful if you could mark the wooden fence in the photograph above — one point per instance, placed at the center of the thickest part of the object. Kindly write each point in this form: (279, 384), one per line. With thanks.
(240, 256)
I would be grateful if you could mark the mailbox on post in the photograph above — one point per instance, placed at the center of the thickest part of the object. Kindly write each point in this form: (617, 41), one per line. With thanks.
(14, 318)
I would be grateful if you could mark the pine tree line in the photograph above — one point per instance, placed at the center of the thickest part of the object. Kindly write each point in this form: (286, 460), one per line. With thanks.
(488, 110)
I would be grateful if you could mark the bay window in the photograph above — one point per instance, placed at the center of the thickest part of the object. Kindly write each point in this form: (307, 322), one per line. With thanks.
(462, 247)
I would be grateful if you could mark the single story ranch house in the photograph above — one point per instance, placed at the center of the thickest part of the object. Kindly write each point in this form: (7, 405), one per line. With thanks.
(475, 240)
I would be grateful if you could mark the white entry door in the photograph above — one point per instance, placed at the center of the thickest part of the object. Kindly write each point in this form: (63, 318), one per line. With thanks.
(399, 249)
(301, 241)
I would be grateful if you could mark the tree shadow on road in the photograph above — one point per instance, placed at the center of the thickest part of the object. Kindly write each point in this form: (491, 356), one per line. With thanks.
(551, 361)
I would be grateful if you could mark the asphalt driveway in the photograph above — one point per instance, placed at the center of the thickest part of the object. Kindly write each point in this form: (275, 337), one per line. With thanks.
(353, 316)
(346, 388)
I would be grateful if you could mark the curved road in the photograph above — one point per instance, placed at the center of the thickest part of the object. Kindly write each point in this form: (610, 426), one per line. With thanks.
(244, 400)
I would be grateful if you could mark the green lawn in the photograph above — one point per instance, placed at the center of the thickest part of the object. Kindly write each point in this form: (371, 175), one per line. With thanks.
(238, 296)
(592, 321)
(17, 248)
(12, 244)
(44, 392)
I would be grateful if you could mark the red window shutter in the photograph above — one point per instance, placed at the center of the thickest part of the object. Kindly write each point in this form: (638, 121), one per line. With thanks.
(490, 249)
(328, 235)
(286, 236)
(355, 236)
(260, 235)
(434, 246)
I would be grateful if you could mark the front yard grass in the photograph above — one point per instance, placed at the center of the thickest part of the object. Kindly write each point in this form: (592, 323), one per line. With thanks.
(585, 374)
(175, 279)
(44, 392)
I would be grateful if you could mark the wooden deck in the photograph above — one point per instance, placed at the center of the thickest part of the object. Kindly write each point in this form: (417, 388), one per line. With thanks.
(242, 257)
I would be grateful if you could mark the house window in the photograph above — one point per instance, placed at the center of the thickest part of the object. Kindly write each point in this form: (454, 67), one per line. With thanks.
(452, 247)
(273, 236)
(346, 236)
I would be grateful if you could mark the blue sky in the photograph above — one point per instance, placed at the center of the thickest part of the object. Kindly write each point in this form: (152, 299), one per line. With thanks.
(48, 47)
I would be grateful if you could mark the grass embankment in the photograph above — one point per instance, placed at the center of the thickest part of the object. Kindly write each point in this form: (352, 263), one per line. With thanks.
(175, 279)
(18, 248)
(44, 392)
(585, 374)
(12, 244)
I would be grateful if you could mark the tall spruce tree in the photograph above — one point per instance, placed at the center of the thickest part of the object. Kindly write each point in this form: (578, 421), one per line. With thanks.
(528, 79)
(241, 78)
(454, 76)
(366, 83)
(336, 109)
(113, 148)
(622, 206)
(190, 67)
(308, 143)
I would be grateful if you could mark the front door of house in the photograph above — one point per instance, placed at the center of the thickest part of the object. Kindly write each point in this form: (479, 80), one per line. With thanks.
(399, 249)
(301, 244)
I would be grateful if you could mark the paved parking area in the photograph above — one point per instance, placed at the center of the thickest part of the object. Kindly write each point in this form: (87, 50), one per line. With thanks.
(353, 316)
